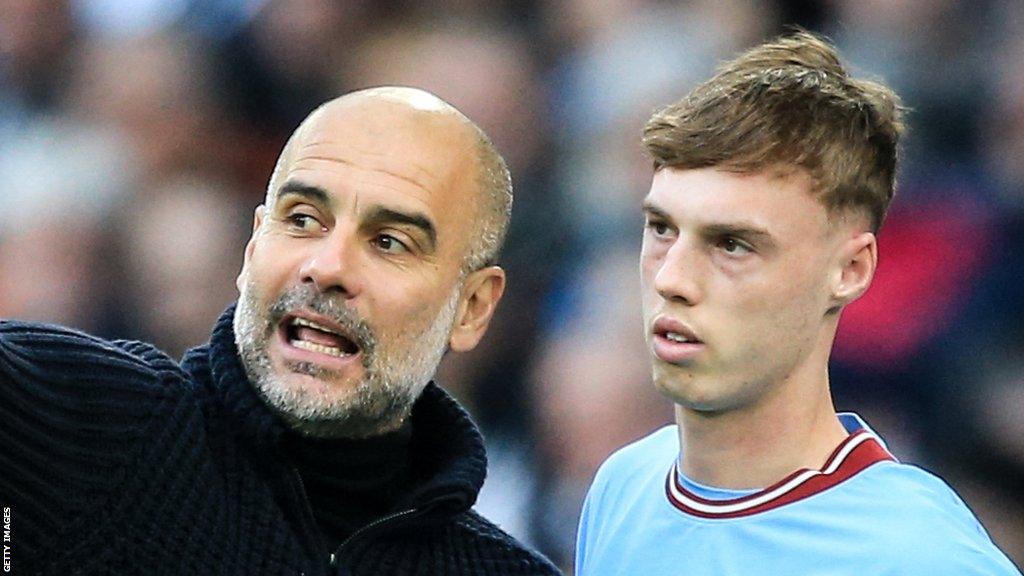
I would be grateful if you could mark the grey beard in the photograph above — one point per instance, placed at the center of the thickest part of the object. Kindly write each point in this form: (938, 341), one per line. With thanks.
(395, 372)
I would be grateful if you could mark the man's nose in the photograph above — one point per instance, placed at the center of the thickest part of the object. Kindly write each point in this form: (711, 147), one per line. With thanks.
(333, 265)
(678, 277)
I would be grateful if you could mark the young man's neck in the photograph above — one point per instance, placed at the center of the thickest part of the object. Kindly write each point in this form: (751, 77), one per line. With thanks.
(759, 445)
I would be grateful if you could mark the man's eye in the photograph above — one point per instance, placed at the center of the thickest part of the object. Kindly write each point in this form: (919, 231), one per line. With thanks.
(659, 228)
(304, 222)
(389, 244)
(733, 246)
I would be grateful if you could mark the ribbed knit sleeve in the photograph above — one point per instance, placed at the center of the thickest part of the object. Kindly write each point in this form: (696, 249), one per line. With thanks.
(75, 412)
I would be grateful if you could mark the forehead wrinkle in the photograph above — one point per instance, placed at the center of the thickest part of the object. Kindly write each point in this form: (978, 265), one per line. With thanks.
(349, 196)
(434, 151)
(426, 174)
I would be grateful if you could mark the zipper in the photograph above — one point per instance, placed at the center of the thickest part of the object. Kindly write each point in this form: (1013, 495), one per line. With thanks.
(376, 524)
(372, 526)
(311, 526)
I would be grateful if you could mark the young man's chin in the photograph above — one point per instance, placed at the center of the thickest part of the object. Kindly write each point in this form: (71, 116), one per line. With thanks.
(670, 386)
(689, 390)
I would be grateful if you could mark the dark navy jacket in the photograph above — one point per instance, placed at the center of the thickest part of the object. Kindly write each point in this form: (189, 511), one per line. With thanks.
(114, 459)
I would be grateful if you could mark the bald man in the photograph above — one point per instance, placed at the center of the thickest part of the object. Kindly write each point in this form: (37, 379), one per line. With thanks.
(306, 436)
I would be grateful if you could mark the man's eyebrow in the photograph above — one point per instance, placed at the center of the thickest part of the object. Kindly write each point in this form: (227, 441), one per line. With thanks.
(740, 229)
(748, 230)
(380, 215)
(309, 191)
(650, 208)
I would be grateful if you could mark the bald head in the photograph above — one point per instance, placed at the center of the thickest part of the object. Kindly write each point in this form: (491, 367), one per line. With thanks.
(400, 114)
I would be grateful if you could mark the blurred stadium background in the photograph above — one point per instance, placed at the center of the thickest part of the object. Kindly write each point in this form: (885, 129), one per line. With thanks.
(137, 137)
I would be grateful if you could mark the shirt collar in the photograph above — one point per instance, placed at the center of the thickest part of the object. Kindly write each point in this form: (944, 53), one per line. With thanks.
(859, 450)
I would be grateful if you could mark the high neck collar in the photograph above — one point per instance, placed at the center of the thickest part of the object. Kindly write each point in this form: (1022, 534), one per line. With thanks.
(448, 462)
(352, 482)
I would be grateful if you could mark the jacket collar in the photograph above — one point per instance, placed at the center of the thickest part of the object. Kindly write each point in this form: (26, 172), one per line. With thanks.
(448, 458)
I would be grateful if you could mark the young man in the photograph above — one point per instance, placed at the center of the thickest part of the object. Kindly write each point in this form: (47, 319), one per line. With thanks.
(306, 436)
(771, 181)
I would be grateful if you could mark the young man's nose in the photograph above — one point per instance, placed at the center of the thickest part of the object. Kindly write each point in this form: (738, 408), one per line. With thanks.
(678, 275)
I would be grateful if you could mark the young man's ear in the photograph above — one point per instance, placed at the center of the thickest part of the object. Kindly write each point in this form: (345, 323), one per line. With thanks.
(257, 221)
(856, 262)
(480, 295)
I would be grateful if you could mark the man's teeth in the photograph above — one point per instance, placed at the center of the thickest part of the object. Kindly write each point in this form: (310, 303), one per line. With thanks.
(677, 337)
(313, 347)
(313, 325)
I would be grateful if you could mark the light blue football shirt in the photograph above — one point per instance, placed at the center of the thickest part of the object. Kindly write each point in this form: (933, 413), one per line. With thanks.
(862, 513)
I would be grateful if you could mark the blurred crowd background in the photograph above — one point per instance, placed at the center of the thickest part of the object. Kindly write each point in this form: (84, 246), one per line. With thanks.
(136, 137)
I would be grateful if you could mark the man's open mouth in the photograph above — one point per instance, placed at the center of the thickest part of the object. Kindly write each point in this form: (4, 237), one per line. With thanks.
(319, 336)
(679, 338)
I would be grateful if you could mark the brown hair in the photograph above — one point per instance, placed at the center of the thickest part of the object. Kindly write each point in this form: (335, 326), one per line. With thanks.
(789, 104)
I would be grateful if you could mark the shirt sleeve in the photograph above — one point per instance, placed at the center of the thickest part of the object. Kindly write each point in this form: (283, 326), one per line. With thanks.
(581, 538)
(590, 519)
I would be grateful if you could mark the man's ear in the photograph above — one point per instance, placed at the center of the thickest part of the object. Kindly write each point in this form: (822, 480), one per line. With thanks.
(257, 221)
(855, 267)
(480, 295)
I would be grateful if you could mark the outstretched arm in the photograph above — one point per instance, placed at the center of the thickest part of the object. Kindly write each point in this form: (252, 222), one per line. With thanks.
(73, 409)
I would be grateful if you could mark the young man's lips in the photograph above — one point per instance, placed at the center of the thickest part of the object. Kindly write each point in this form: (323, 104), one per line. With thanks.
(675, 352)
(674, 341)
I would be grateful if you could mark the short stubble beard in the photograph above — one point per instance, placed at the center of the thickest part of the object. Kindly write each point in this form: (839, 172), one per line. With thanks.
(395, 371)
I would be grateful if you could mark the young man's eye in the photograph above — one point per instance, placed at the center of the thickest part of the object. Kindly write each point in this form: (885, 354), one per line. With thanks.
(659, 228)
(389, 244)
(733, 246)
